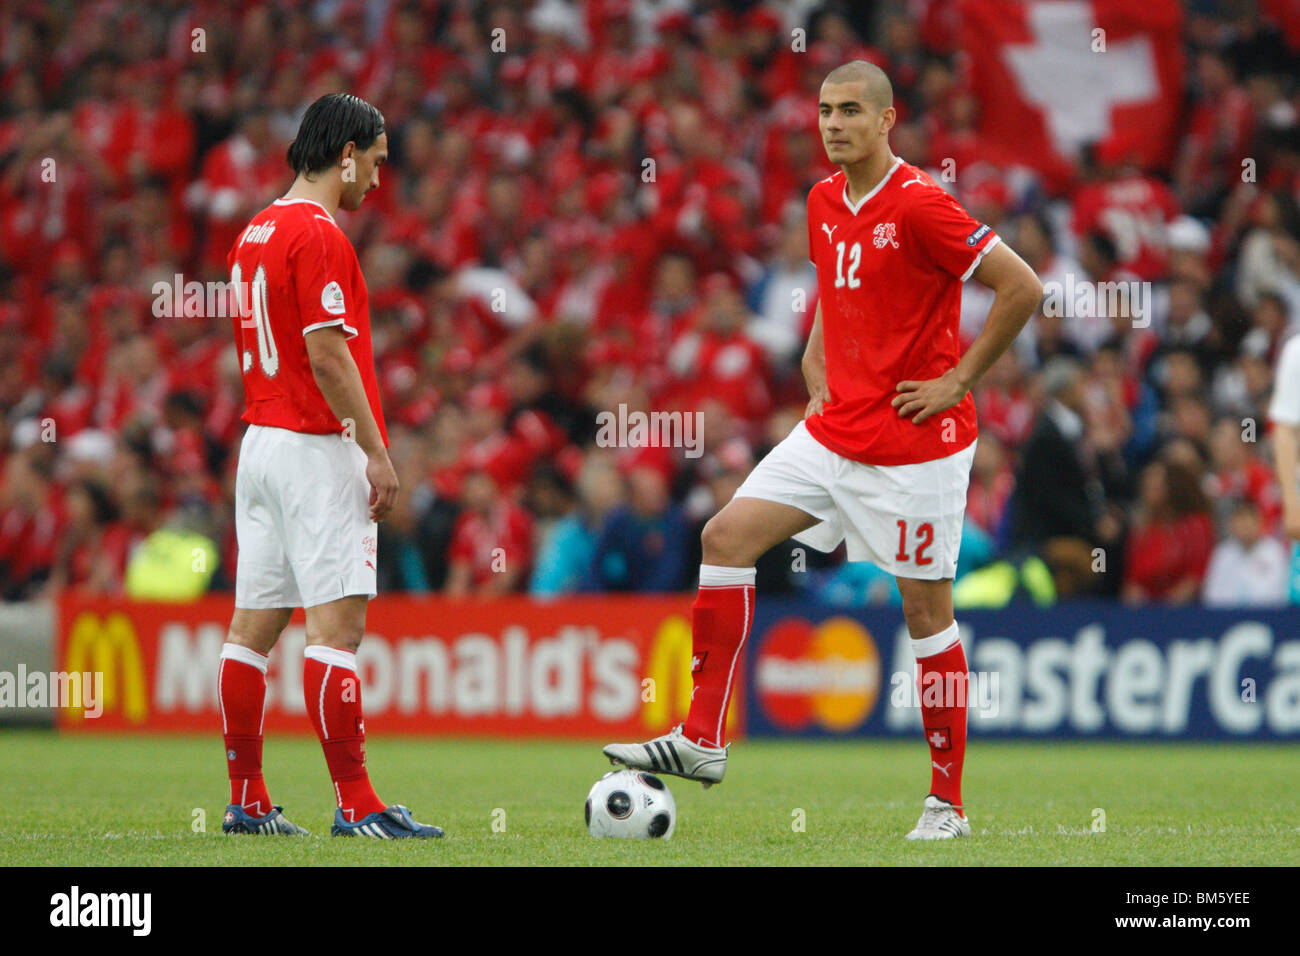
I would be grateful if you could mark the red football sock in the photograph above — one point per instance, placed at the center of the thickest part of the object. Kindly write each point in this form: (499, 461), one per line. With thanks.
(241, 694)
(720, 620)
(332, 692)
(941, 674)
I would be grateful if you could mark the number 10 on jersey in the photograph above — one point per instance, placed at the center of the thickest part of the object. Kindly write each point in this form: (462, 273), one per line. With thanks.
(267, 355)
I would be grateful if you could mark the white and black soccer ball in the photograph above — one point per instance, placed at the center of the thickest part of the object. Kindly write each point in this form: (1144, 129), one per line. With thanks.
(630, 804)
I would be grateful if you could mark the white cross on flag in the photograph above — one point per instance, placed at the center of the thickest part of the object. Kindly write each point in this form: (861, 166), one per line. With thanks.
(1054, 75)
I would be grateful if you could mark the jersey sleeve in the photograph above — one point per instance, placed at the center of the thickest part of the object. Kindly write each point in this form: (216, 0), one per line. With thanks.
(322, 275)
(1285, 406)
(948, 235)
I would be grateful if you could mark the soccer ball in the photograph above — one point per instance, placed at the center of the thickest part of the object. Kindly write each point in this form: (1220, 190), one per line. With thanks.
(629, 803)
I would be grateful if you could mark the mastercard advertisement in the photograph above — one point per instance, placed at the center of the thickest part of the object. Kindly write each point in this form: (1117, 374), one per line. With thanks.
(814, 676)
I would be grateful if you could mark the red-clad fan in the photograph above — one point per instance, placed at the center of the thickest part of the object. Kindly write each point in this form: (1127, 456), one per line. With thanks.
(1218, 131)
(237, 177)
(1168, 550)
(716, 360)
(492, 543)
(37, 213)
(100, 119)
(610, 66)
(1238, 472)
(32, 519)
(1132, 208)
(159, 137)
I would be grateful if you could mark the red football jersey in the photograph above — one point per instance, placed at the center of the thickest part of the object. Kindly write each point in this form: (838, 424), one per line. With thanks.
(889, 275)
(295, 272)
(1135, 212)
(476, 537)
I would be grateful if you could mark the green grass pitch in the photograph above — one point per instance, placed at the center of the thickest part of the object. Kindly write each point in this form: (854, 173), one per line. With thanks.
(93, 800)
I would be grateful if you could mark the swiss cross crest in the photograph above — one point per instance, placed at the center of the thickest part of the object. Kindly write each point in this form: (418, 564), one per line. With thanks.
(884, 234)
(697, 662)
(938, 738)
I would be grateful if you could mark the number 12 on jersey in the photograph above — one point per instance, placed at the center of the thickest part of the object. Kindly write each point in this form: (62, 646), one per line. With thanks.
(855, 260)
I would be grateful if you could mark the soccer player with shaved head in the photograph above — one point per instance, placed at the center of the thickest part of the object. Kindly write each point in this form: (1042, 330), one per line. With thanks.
(314, 475)
(882, 458)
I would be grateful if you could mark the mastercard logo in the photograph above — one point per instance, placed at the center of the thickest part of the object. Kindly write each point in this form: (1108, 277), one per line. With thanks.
(828, 675)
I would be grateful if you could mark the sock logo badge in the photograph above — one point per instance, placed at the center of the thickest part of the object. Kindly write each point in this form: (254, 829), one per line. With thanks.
(939, 738)
(230, 755)
(697, 662)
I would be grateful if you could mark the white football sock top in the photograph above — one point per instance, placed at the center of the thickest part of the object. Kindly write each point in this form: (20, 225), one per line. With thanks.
(937, 643)
(715, 575)
(245, 655)
(331, 655)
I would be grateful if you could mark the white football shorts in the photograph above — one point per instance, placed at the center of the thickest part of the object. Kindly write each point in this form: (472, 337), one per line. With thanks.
(906, 519)
(302, 519)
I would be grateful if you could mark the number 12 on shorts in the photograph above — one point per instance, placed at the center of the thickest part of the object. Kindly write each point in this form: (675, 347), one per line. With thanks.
(924, 538)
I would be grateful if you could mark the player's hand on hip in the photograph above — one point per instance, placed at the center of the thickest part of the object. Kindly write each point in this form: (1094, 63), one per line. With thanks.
(920, 400)
(820, 396)
(383, 486)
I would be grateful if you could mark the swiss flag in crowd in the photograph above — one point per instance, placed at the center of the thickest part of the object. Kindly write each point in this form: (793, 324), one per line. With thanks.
(1047, 87)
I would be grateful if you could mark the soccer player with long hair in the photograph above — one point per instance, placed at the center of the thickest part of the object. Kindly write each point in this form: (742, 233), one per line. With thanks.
(314, 475)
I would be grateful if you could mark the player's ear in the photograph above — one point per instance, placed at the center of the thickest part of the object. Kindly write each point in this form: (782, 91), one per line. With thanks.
(887, 117)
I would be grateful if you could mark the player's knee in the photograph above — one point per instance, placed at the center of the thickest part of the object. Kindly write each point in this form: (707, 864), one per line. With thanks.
(923, 619)
(261, 643)
(257, 630)
(723, 543)
(346, 641)
(340, 638)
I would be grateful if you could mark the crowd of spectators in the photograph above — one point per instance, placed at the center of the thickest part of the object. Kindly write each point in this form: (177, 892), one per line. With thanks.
(601, 204)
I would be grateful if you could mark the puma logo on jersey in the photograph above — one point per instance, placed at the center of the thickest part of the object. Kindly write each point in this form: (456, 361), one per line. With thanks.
(910, 182)
(885, 235)
(829, 230)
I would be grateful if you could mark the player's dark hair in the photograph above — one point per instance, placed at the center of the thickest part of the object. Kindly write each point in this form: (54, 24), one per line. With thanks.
(330, 123)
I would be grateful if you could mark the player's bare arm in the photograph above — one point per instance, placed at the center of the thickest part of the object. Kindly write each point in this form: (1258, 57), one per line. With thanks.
(1286, 446)
(339, 380)
(814, 367)
(1017, 294)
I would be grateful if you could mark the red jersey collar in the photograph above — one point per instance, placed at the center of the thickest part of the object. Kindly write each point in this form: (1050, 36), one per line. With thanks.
(898, 161)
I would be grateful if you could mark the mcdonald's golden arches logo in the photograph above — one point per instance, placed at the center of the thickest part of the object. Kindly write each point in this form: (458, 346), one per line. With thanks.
(108, 645)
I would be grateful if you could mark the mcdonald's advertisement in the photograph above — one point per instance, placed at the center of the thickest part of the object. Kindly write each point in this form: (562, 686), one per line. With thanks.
(606, 667)
(599, 667)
